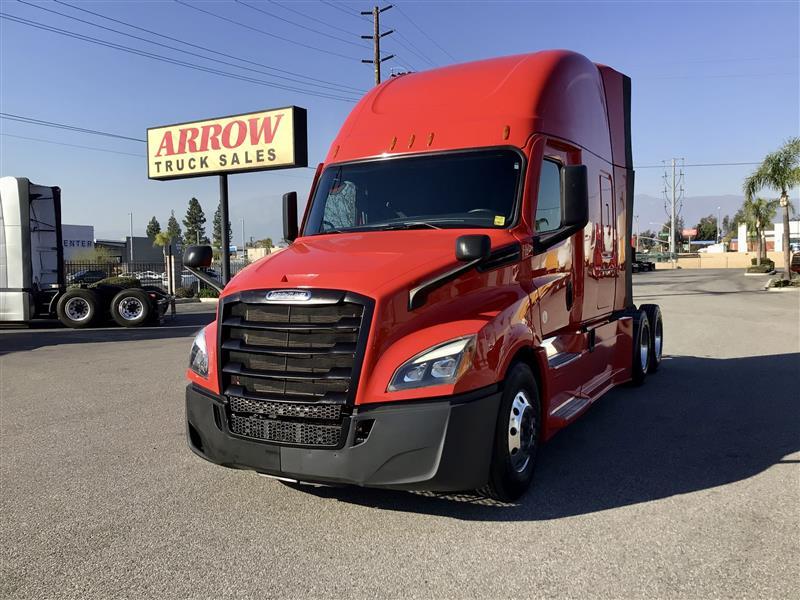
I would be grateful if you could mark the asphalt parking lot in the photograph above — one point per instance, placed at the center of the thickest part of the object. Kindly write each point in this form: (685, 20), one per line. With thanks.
(686, 487)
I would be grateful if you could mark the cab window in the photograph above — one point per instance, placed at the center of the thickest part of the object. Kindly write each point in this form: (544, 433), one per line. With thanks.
(548, 203)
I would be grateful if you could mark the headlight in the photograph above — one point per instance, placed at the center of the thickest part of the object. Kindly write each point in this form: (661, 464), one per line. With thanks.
(444, 363)
(198, 357)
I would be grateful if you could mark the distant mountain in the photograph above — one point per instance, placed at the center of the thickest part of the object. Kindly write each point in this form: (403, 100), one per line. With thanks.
(652, 210)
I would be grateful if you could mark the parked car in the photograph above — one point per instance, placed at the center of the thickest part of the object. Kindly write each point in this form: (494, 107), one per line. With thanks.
(187, 278)
(794, 267)
(86, 276)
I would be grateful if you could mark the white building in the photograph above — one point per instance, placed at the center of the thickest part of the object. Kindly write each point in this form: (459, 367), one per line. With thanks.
(76, 238)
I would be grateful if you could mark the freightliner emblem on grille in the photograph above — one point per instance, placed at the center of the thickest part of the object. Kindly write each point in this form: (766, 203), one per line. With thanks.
(290, 295)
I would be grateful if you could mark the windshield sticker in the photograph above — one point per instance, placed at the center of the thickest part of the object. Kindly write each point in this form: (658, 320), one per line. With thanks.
(500, 220)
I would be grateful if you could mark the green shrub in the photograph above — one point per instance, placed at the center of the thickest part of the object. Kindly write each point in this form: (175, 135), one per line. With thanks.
(121, 282)
(764, 262)
(208, 293)
(184, 292)
(761, 269)
(780, 283)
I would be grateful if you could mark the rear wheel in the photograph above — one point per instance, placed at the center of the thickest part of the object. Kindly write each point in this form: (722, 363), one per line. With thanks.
(653, 312)
(516, 436)
(78, 308)
(641, 347)
(130, 308)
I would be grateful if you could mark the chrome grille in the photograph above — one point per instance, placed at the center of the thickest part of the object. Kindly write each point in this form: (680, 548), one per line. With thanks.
(289, 370)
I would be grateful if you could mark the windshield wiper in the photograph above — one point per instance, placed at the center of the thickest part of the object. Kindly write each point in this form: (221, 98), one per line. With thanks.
(405, 225)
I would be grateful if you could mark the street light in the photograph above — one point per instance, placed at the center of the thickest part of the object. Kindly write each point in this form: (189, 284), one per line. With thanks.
(719, 227)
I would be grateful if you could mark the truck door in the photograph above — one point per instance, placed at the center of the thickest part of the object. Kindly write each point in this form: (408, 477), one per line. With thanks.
(605, 255)
(556, 272)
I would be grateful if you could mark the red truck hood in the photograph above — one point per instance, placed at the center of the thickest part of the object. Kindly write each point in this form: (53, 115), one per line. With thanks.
(363, 262)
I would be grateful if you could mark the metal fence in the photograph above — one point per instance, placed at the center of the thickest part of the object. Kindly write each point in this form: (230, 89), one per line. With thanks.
(148, 273)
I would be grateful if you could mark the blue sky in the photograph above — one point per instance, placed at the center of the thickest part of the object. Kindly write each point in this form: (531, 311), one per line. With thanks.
(712, 82)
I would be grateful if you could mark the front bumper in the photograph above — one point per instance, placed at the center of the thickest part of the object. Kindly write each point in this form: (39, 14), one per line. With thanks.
(440, 445)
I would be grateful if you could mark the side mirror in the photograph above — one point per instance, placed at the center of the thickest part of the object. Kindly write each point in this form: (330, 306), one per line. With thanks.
(576, 197)
(473, 247)
(198, 257)
(290, 216)
(575, 208)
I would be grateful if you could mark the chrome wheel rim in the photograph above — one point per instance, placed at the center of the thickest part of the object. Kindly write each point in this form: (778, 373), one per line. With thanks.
(130, 308)
(658, 340)
(644, 347)
(77, 309)
(521, 431)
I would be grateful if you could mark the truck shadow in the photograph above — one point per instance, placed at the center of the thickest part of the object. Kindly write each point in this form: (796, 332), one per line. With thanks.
(697, 424)
(52, 333)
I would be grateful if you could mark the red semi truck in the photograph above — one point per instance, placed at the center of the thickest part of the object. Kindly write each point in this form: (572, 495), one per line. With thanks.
(459, 289)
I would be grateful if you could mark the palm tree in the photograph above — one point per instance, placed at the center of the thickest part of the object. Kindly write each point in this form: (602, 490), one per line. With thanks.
(780, 171)
(164, 240)
(757, 214)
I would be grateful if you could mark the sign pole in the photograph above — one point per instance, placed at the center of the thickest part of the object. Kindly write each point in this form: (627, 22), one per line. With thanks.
(226, 240)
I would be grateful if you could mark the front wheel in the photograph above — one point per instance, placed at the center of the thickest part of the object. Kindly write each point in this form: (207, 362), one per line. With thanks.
(516, 436)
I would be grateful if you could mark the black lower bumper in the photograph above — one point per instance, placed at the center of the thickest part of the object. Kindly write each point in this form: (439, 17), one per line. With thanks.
(439, 445)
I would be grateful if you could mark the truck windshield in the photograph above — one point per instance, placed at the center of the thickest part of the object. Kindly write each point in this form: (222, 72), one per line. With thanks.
(469, 189)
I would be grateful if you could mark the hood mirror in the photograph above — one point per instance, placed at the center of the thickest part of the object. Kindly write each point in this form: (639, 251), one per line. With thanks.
(198, 257)
(473, 247)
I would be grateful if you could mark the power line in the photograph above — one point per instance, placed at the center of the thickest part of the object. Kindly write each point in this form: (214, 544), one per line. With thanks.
(344, 10)
(42, 122)
(300, 25)
(212, 51)
(166, 59)
(409, 46)
(720, 164)
(435, 43)
(309, 17)
(22, 137)
(263, 32)
(130, 35)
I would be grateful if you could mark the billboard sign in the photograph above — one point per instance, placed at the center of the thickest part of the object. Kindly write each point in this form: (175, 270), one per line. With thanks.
(689, 232)
(259, 141)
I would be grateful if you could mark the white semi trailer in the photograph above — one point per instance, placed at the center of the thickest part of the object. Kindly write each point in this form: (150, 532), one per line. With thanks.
(32, 283)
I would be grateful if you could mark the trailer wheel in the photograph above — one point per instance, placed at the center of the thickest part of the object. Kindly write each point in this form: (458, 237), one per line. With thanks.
(641, 347)
(78, 308)
(130, 308)
(516, 436)
(653, 312)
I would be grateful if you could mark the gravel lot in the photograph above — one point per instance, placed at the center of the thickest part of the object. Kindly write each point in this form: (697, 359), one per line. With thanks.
(687, 487)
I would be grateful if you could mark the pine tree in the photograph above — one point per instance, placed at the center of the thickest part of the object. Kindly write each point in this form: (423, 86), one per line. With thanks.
(217, 233)
(173, 229)
(194, 224)
(153, 227)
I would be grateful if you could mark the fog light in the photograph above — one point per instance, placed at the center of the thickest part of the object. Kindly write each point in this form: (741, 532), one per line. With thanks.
(362, 431)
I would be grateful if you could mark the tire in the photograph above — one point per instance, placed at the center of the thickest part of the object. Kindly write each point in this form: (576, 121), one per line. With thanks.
(640, 354)
(516, 436)
(131, 308)
(653, 313)
(78, 308)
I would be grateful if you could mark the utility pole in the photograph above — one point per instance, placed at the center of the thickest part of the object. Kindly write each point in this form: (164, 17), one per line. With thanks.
(244, 241)
(673, 193)
(376, 40)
